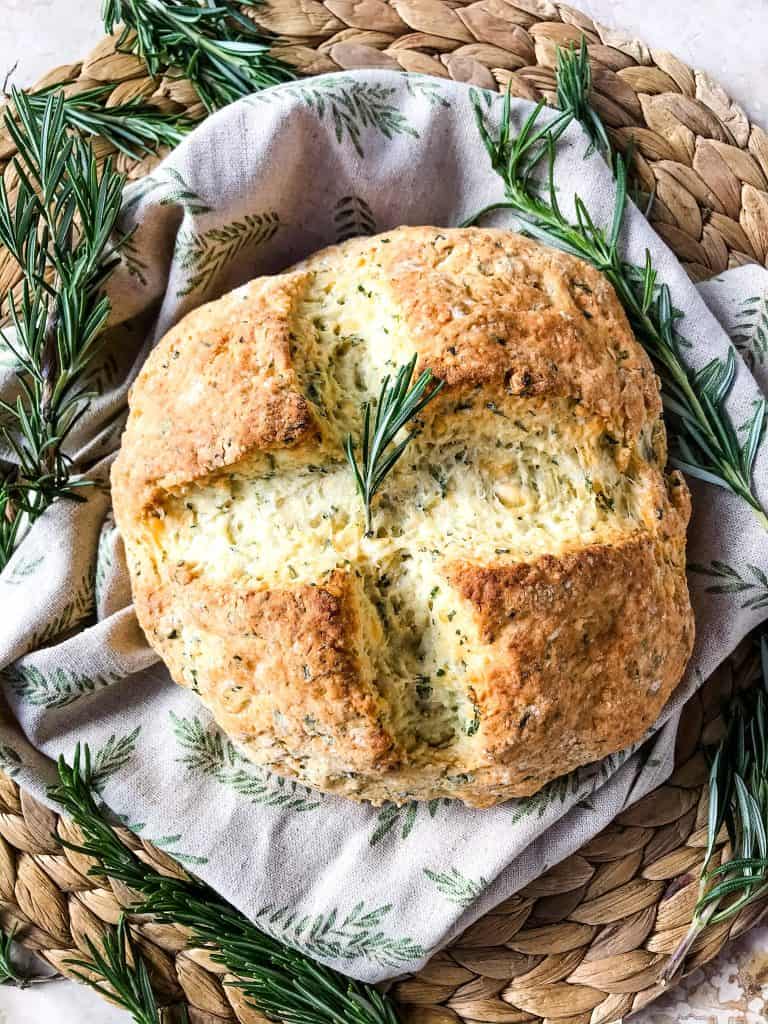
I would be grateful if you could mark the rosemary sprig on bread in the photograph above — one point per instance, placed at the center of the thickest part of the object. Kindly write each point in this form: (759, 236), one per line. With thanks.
(283, 983)
(705, 442)
(398, 405)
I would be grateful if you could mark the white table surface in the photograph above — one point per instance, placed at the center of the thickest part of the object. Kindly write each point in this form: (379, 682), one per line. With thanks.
(728, 39)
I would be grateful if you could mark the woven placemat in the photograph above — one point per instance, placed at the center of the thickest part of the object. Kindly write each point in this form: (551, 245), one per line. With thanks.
(585, 943)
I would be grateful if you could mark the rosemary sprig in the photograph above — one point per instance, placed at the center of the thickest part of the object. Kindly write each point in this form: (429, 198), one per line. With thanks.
(218, 48)
(282, 983)
(133, 128)
(124, 975)
(60, 233)
(398, 404)
(738, 799)
(706, 444)
(574, 85)
(573, 78)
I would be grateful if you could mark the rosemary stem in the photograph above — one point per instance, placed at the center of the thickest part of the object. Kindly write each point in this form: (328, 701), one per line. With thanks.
(698, 924)
(58, 228)
(398, 403)
(491, 208)
(51, 374)
(759, 513)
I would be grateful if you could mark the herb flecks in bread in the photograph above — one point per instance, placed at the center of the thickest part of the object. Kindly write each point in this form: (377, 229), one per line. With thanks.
(520, 607)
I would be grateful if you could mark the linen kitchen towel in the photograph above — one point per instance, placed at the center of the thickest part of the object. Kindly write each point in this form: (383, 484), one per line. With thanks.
(372, 891)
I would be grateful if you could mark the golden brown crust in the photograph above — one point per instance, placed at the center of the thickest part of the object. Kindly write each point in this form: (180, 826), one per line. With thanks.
(564, 648)
(584, 647)
(279, 667)
(487, 306)
(218, 386)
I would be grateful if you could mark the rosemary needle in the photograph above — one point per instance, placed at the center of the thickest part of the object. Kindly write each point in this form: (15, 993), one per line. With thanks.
(9, 975)
(133, 128)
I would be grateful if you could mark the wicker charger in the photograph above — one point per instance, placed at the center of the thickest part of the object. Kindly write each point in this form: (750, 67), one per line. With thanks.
(585, 943)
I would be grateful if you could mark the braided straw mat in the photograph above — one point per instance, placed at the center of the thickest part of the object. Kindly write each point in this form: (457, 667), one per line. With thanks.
(585, 943)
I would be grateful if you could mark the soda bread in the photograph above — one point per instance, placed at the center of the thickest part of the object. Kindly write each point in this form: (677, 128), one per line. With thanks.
(521, 608)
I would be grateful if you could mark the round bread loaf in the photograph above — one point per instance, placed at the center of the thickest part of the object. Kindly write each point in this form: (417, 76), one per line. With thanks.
(521, 607)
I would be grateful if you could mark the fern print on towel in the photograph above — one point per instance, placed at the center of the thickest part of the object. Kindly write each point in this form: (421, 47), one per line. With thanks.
(173, 191)
(103, 563)
(168, 844)
(169, 188)
(206, 751)
(750, 334)
(535, 807)
(20, 569)
(54, 688)
(748, 580)
(113, 755)
(397, 822)
(577, 785)
(10, 760)
(77, 613)
(456, 887)
(339, 936)
(353, 217)
(204, 255)
(354, 108)
(428, 88)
